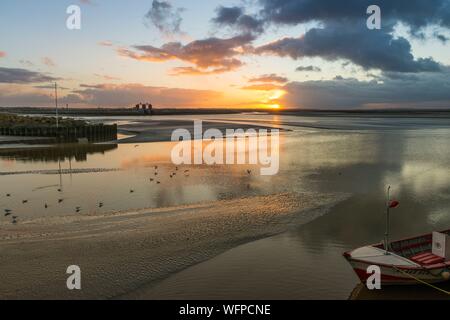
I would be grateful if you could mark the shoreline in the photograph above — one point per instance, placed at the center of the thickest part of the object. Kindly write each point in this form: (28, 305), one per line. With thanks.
(111, 112)
(124, 252)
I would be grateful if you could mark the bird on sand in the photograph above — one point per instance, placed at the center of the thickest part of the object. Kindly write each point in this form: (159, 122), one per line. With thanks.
(100, 204)
(131, 191)
(249, 172)
(24, 201)
(136, 146)
(158, 182)
(45, 206)
(14, 221)
(156, 167)
(8, 195)
(151, 179)
(8, 214)
(60, 200)
(78, 209)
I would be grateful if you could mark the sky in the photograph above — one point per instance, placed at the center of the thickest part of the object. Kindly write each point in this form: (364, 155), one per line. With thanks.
(266, 54)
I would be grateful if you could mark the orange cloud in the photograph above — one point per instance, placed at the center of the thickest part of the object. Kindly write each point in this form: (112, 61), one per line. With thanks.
(48, 62)
(123, 95)
(262, 87)
(270, 78)
(209, 56)
(105, 43)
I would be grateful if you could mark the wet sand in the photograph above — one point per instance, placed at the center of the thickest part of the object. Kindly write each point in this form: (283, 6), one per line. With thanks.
(161, 130)
(121, 254)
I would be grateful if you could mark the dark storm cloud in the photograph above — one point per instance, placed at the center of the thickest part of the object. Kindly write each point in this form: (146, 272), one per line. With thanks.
(430, 89)
(364, 47)
(415, 13)
(165, 17)
(236, 18)
(343, 33)
(22, 76)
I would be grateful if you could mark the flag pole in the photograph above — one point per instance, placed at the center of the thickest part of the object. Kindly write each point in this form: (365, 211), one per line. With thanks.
(386, 235)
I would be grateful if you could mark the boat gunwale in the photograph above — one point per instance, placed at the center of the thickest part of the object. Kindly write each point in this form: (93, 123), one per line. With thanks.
(440, 265)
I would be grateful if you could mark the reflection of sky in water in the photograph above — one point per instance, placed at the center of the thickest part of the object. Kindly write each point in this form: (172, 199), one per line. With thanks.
(306, 262)
(358, 161)
(363, 162)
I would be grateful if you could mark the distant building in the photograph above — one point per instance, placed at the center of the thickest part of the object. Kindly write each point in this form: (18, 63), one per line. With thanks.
(146, 107)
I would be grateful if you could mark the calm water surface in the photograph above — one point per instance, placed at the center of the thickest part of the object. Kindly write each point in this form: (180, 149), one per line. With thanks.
(350, 155)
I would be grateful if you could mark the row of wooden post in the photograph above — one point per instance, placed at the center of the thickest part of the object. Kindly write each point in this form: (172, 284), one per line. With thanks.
(93, 133)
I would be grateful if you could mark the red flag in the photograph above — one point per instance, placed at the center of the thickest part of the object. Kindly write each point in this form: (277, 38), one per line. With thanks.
(393, 204)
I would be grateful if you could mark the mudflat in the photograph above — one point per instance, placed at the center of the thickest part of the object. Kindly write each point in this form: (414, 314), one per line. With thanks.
(122, 253)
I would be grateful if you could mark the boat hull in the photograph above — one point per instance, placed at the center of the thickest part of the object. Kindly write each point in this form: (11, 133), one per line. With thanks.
(392, 275)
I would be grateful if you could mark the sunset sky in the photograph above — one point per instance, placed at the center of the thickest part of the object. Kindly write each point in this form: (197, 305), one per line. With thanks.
(226, 53)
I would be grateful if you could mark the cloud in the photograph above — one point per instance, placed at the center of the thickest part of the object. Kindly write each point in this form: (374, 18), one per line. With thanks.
(49, 87)
(23, 76)
(441, 37)
(112, 95)
(342, 29)
(165, 17)
(263, 87)
(24, 99)
(270, 78)
(429, 90)
(17, 95)
(212, 55)
(105, 43)
(106, 77)
(414, 13)
(123, 95)
(236, 19)
(308, 69)
(375, 50)
(48, 62)
(27, 63)
(2, 54)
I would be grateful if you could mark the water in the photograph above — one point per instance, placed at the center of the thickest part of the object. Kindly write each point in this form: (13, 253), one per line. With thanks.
(356, 156)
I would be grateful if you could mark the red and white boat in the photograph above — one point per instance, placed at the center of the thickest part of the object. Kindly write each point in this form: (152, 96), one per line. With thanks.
(405, 262)
(424, 258)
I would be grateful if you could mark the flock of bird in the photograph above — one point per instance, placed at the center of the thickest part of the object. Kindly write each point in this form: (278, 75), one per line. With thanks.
(9, 212)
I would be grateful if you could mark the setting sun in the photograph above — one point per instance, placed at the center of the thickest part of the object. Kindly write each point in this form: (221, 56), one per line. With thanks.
(277, 94)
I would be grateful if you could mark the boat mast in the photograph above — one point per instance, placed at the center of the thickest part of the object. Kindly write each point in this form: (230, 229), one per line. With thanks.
(56, 105)
(386, 235)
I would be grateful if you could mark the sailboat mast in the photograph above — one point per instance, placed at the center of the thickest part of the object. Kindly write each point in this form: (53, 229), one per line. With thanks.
(56, 105)
(386, 235)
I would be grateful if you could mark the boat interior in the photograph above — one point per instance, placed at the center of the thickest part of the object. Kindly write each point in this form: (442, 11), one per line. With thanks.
(421, 249)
